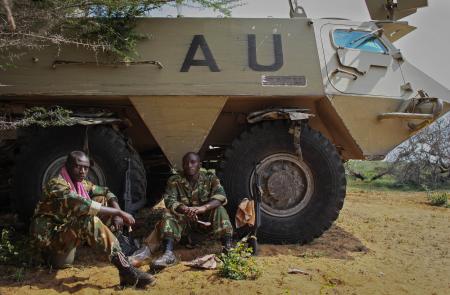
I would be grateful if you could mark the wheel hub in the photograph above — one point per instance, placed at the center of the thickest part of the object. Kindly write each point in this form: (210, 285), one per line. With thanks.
(286, 183)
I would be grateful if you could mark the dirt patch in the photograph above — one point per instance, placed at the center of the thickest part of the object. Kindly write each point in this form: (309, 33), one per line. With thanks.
(382, 243)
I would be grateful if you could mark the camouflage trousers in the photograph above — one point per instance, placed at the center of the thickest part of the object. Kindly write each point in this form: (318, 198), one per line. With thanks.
(64, 237)
(177, 225)
(61, 238)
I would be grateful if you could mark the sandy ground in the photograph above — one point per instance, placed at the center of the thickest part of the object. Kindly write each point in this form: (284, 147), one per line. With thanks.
(382, 243)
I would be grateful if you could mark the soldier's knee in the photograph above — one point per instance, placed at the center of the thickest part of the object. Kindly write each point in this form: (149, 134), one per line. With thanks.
(87, 219)
(167, 215)
(96, 220)
(101, 199)
(90, 222)
(221, 211)
(169, 218)
(98, 224)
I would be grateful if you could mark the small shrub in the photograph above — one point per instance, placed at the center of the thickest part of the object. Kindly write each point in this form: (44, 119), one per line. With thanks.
(19, 275)
(17, 249)
(438, 199)
(7, 250)
(238, 264)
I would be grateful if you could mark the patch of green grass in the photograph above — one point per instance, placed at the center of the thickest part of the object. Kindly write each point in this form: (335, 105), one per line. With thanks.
(19, 275)
(238, 264)
(370, 169)
(439, 199)
(380, 185)
(312, 254)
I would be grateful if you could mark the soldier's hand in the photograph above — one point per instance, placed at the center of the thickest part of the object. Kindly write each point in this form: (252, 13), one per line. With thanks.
(118, 222)
(199, 210)
(190, 213)
(128, 219)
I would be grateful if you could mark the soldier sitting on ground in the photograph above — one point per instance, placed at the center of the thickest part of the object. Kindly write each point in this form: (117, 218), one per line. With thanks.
(67, 216)
(192, 196)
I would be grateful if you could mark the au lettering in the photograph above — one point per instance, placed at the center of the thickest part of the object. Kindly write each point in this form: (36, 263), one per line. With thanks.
(199, 42)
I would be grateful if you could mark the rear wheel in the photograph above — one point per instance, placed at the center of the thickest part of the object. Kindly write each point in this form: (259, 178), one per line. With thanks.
(43, 153)
(300, 197)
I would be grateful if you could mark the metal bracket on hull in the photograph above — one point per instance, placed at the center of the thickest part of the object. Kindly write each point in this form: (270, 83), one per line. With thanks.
(296, 10)
(296, 130)
(279, 114)
(114, 64)
(295, 115)
(393, 9)
(409, 110)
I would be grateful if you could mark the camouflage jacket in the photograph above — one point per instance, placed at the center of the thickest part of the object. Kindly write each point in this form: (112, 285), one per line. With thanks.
(179, 191)
(59, 204)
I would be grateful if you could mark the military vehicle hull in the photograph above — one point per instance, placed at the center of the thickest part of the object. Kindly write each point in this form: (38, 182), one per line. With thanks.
(193, 88)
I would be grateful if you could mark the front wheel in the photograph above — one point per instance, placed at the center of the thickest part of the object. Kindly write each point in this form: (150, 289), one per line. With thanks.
(300, 197)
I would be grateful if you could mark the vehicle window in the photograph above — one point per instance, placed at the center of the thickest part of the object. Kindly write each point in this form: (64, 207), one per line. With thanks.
(361, 40)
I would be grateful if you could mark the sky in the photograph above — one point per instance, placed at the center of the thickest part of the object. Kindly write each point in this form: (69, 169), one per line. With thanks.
(428, 47)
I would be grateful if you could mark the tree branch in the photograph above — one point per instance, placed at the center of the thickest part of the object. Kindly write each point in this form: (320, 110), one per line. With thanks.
(356, 174)
(56, 40)
(7, 6)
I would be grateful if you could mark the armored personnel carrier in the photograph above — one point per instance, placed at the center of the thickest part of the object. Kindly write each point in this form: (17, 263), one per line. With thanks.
(274, 105)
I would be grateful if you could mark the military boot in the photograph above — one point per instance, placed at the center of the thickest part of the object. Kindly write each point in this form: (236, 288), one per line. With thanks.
(126, 244)
(129, 275)
(227, 243)
(167, 259)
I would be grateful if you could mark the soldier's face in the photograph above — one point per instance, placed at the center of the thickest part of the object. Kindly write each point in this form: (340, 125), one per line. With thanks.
(191, 165)
(80, 169)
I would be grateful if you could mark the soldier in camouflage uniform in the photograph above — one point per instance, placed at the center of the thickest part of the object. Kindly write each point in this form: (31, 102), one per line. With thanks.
(67, 216)
(190, 197)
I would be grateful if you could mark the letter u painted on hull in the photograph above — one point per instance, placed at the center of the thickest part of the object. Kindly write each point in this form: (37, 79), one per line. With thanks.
(278, 55)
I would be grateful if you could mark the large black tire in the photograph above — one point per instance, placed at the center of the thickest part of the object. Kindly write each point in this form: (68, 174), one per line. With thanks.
(41, 147)
(6, 164)
(328, 185)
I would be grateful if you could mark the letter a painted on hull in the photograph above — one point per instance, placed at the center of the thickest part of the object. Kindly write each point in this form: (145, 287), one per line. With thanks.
(199, 41)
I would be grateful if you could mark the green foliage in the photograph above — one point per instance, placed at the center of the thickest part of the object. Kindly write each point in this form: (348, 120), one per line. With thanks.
(101, 25)
(388, 182)
(238, 264)
(117, 34)
(6, 65)
(7, 250)
(19, 275)
(56, 116)
(370, 169)
(17, 252)
(16, 249)
(367, 168)
(439, 199)
(424, 159)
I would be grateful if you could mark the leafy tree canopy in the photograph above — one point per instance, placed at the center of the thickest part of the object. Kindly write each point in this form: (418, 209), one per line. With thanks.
(100, 25)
